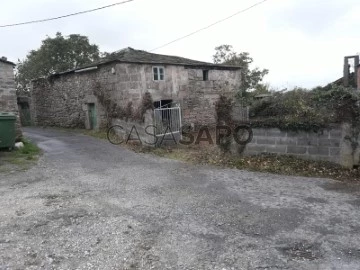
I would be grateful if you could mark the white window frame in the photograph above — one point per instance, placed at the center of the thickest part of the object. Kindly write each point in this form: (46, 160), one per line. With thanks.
(158, 72)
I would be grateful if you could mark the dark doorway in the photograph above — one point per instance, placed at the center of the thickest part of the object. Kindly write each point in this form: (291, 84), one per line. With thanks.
(163, 113)
(92, 115)
(163, 104)
(24, 111)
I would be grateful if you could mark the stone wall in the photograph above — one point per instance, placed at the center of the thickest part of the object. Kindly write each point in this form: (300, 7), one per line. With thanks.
(183, 85)
(8, 100)
(325, 145)
(139, 132)
(199, 97)
(62, 100)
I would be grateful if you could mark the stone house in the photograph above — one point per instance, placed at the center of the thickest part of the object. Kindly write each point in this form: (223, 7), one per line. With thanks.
(68, 99)
(8, 100)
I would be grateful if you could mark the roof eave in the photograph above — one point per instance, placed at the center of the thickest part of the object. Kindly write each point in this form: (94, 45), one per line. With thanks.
(7, 62)
(203, 65)
(200, 65)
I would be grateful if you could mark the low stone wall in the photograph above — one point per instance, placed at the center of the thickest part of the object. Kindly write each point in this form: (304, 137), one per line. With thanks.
(139, 130)
(144, 132)
(325, 145)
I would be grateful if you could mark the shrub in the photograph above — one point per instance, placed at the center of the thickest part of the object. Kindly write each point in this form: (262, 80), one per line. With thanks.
(113, 110)
(307, 109)
(223, 108)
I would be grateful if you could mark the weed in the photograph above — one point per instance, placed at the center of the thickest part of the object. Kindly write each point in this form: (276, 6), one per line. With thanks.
(21, 159)
(270, 163)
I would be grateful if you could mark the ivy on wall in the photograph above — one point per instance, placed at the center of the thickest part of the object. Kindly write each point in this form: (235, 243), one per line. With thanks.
(223, 109)
(115, 111)
(302, 109)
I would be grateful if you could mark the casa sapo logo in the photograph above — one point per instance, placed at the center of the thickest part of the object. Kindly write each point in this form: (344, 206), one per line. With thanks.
(241, 135)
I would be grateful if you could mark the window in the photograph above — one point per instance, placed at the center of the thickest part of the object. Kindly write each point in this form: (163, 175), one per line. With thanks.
(205, 75)
(158, 73)
(165, 103)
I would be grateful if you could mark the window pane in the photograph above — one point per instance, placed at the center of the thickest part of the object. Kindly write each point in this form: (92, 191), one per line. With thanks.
(161, 71)
(156, 74)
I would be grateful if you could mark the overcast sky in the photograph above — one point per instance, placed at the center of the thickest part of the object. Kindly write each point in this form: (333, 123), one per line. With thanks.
(301, 42)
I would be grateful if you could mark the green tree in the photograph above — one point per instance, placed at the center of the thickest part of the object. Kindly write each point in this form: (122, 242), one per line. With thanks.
(56, 54)
(251, 78)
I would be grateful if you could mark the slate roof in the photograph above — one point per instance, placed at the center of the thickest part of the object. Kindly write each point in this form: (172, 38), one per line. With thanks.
(6, 61)
(130, 55)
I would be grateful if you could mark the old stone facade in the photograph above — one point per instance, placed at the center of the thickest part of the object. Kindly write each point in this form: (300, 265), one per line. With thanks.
(64, 99)
(8, 100)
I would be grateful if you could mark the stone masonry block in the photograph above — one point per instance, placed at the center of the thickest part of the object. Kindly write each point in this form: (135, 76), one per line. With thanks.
(276, 149)
(286, 141)
(307, 141)
(324, 134)
(296, 150)
(329, 142)
(275, 132)
(335, 134)
(265, 140)
(299, 134)
(259, 132)
(322, 151)
(334, 151)
(135, 77)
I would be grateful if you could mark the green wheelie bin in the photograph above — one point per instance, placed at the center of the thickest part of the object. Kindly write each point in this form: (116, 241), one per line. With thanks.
(7, 130)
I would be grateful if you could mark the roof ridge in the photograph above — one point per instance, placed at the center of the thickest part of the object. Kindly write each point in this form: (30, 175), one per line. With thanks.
(131, 55)
(130, 49)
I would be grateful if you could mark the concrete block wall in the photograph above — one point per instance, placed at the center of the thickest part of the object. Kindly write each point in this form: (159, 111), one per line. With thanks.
(324, 145)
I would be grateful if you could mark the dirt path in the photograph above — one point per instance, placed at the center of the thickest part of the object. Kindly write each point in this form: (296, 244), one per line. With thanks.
(91, 205)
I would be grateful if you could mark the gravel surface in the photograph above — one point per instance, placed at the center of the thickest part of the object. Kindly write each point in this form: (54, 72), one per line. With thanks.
(91, 205)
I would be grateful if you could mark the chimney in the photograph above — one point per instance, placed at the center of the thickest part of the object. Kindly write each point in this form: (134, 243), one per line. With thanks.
(347, 72)
(4, 58)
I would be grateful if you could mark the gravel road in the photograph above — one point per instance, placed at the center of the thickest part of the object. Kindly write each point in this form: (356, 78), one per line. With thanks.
(91, 205)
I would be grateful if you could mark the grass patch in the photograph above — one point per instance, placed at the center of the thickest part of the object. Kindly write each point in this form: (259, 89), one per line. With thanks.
(30, 150)
(21, 159)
